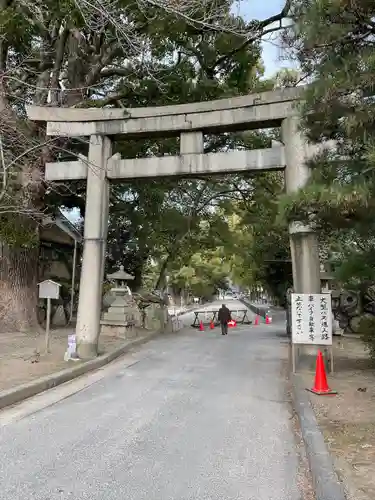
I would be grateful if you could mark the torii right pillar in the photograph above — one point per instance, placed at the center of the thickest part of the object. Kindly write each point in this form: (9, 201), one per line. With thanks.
(304, 245)
(303, 240)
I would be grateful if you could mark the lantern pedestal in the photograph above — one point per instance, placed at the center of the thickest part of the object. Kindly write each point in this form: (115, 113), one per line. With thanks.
(121, 318)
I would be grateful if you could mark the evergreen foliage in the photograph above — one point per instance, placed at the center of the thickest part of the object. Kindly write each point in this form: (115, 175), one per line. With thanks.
(334, 44)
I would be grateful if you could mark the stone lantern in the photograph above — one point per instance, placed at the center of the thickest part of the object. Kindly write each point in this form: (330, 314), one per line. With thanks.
(121, 277)
(120, 319)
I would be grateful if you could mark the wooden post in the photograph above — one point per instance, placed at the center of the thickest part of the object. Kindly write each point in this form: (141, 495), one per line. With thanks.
(48, 323)
(293, 358)
(48, 290)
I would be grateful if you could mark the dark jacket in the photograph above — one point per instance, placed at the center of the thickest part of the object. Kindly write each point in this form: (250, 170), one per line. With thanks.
(224, 315)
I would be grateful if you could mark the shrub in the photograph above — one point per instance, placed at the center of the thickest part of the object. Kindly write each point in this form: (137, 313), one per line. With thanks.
(367, 330)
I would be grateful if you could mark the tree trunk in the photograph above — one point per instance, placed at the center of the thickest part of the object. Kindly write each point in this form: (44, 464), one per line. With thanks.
(18, 288)
(160, 282)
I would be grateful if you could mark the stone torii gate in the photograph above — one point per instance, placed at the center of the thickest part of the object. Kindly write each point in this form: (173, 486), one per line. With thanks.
(190, 122)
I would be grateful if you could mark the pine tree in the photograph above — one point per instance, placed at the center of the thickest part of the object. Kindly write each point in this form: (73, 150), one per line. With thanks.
(334, 43)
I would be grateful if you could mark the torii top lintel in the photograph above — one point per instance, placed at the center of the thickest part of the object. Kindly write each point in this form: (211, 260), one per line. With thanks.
(262, 110)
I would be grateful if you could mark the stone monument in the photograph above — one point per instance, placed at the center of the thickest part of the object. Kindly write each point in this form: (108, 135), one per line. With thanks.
(121, 318)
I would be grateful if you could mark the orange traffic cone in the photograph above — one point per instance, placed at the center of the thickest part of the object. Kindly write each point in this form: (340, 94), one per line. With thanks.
(201, 327)
(320, 385)
(256, 322)
(212, 326)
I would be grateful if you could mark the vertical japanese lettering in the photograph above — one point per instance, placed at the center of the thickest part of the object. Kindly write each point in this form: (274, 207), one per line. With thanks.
(311, 317)
(298, 304)
(324, 328)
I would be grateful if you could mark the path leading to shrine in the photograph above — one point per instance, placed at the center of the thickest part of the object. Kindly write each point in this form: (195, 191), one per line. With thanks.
(188, 416)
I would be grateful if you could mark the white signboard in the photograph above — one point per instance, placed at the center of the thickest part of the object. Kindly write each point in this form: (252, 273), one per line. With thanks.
(49, 289)
(72, 345)
(311, 318)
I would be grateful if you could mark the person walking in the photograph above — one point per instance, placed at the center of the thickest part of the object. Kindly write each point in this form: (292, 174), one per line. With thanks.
(224, 317)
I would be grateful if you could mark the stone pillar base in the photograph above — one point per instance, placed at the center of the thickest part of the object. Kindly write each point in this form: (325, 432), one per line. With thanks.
(306, 357)
(120, 331)
(87, 350)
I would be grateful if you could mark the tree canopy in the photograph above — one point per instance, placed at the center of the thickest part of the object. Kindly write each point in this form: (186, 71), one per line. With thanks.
(122, 54)
(334, 45)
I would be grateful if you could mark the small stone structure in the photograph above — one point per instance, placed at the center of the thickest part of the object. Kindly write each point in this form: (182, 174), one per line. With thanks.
(121, 318)
(153, 311)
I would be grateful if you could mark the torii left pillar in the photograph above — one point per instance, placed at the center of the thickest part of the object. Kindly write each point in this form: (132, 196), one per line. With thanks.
(95, 236)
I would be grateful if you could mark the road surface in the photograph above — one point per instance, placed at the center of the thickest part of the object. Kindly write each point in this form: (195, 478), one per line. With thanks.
(187, 416)
(187, 318)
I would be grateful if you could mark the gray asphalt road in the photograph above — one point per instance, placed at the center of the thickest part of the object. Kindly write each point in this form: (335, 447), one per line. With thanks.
(234, 305)
(190, 416)
(277, 313)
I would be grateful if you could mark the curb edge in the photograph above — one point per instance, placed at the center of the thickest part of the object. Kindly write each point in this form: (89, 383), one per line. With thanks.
(27, 390)
(325, 480)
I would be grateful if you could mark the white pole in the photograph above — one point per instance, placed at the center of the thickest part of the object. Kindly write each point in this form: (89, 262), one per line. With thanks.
(73, 281)
(48, 322)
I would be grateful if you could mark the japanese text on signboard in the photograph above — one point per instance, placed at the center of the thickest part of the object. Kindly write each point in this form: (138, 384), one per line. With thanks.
(311, 318)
